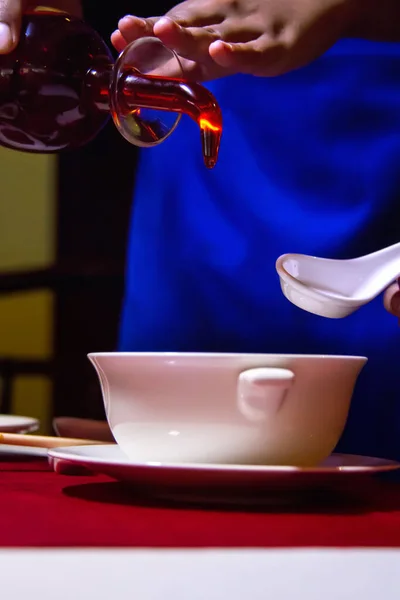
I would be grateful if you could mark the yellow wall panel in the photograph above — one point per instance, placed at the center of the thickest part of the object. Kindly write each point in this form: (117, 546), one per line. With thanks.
(26, 325)
(27, 241)
(32, 397)
(27, 210)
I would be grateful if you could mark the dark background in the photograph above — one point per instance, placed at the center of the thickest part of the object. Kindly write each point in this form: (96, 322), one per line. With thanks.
(95, 186)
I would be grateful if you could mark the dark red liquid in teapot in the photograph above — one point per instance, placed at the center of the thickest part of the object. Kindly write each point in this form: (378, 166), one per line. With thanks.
(54, 90)
(43, 106)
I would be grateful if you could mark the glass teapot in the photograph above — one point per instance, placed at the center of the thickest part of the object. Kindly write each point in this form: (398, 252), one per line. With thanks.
(60, 85)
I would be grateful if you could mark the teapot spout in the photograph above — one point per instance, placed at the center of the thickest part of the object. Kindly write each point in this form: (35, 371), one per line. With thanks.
(136, 91)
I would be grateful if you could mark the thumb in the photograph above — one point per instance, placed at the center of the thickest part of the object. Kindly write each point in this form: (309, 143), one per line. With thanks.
(10, 24)
(391, 300)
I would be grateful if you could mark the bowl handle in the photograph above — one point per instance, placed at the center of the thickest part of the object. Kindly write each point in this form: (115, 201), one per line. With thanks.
(261, 392)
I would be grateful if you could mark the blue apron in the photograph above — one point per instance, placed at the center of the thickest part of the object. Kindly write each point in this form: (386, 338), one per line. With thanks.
(309, 163)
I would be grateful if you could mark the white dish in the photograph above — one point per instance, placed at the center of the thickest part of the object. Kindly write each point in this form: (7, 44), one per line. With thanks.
(226, 483)
(17, 424)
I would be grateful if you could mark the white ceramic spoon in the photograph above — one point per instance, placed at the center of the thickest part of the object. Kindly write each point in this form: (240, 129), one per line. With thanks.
(337, 288)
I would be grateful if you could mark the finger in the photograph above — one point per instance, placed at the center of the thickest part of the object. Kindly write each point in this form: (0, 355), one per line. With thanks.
(10, 24)
(191, 70)
(132, 28)
(391, 300)
(83, 429)
(189, 42)
(198, 14)
(263, 56)
(118, 41)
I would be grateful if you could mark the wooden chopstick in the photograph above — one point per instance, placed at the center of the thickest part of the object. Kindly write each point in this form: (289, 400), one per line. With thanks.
(43, 441)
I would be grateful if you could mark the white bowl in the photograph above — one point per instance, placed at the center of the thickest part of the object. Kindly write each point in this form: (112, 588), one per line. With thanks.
(227, 408)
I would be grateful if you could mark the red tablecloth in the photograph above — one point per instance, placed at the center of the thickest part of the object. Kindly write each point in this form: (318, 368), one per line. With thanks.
(40, 508)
